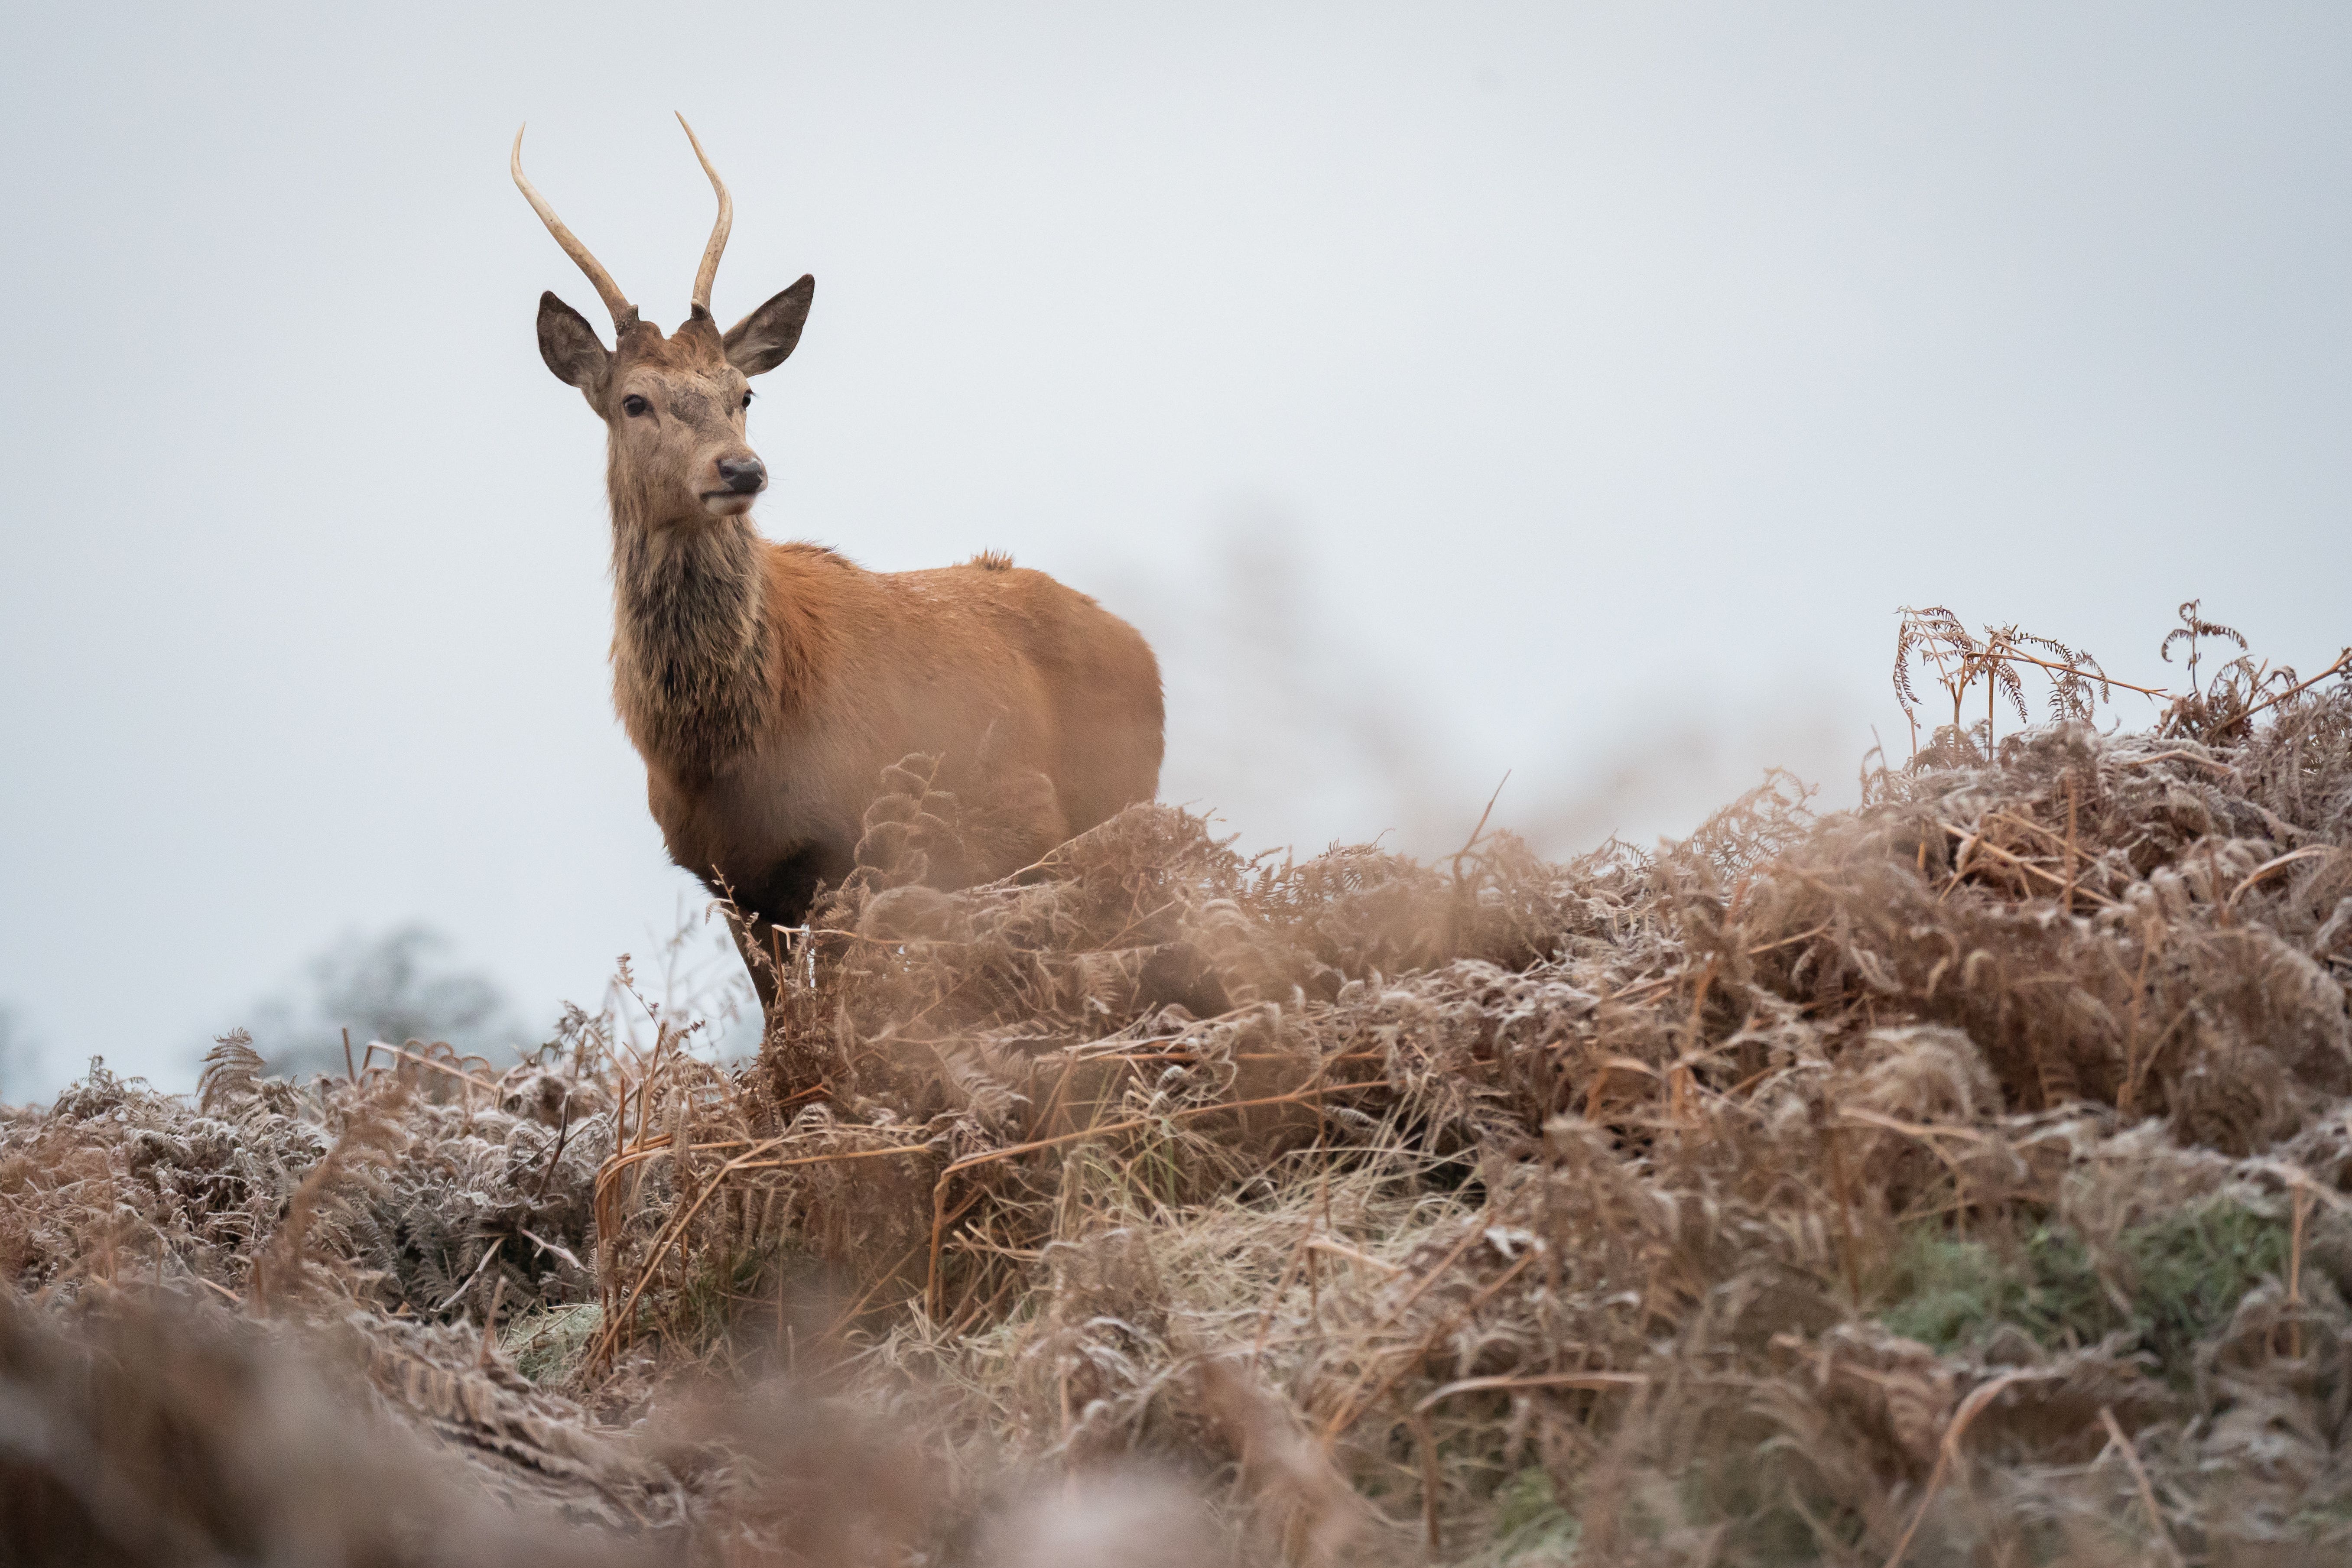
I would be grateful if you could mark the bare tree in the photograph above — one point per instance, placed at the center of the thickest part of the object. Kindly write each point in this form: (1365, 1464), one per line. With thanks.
(400, 985)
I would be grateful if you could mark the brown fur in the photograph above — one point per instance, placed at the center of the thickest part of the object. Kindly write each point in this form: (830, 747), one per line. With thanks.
(767, 686)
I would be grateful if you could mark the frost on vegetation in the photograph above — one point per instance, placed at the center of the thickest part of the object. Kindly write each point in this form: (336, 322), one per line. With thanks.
(1966, 1177)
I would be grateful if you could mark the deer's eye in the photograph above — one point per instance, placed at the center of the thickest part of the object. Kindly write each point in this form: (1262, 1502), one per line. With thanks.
(747, 400)
(633, 406)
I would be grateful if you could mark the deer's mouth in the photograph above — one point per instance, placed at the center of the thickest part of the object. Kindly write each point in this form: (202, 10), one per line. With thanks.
(726, 503)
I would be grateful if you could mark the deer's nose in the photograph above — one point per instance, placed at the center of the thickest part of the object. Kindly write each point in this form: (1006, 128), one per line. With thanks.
(744, 475)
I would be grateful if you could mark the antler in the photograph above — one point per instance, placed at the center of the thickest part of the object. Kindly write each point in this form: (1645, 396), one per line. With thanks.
(708, 272)
(624, 315)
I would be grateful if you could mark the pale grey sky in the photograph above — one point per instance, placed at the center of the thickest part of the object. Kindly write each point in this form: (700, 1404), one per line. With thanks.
(1445, 389)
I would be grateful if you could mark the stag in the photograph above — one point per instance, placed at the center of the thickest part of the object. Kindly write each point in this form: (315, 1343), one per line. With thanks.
(769, 686)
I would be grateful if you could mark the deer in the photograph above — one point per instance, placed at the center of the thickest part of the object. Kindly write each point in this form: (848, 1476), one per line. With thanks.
(769, 686)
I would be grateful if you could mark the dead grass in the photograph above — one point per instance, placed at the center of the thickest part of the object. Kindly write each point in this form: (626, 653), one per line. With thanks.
(1967, 1178)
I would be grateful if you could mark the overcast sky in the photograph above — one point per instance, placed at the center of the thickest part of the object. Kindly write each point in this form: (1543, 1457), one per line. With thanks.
(1574, 391)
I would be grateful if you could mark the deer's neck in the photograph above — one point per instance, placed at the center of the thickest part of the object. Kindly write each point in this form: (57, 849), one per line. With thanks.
(692, 646)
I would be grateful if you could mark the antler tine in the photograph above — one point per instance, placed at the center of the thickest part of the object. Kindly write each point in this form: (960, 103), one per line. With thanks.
(625, 314)
(709, 271)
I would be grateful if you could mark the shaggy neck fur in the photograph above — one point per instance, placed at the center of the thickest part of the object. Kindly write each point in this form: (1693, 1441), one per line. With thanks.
(692, 643)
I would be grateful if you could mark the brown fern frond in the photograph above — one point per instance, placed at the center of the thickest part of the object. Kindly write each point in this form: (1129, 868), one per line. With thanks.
(372, 1135)
(2193, 625)
(232, 1068)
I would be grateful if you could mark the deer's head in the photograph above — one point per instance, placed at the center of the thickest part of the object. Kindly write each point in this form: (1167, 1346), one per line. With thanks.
(673, 406)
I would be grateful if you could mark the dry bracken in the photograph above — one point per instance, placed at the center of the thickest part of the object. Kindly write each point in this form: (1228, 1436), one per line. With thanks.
(1963, 1178)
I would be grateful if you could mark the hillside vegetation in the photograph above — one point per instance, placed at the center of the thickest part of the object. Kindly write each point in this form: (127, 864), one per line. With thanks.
(1965, 1178)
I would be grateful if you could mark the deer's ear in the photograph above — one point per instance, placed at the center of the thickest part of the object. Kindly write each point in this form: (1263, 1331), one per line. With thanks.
(569, 345)
(762, 340)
